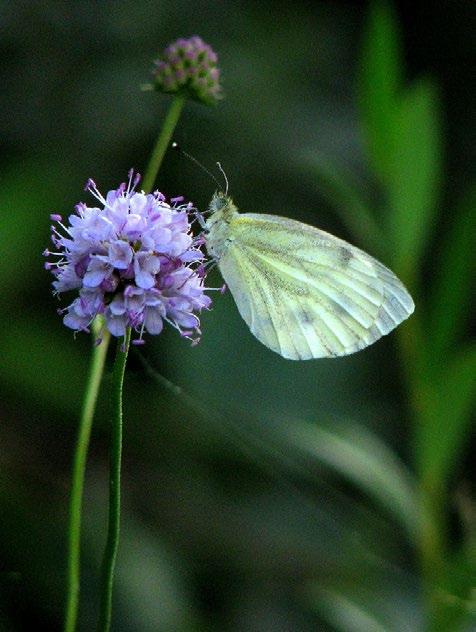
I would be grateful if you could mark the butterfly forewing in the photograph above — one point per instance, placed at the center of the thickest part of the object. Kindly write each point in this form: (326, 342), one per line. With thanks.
(306, 294)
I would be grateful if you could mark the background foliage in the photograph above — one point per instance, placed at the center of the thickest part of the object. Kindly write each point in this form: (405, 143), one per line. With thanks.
(259, 494)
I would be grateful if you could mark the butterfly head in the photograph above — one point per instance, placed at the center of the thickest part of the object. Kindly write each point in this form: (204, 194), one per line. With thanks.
(221, 207)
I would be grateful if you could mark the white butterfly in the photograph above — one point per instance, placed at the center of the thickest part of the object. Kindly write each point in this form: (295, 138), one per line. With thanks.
(302, 292)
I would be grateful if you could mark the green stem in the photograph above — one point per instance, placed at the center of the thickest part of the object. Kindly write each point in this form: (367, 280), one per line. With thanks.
(163, 141)
(79, 465)
(432, 540)
(110, 553)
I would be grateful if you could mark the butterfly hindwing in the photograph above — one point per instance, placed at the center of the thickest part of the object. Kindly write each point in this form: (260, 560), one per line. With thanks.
(306, 294)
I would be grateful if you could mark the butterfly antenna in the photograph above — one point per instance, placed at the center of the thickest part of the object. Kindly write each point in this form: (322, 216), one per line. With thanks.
(177, 147)
(224, 175)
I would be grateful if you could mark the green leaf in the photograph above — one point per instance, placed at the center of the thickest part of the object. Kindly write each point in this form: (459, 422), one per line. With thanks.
(458, 592)
(415, 176)
(449, 305)
(361, 457)
(342, 193)
(445, 430)
(347, 615)
(379, 81)
(386, 601)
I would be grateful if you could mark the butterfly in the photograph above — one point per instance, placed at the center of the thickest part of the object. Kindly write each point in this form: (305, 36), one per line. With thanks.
(302, 292)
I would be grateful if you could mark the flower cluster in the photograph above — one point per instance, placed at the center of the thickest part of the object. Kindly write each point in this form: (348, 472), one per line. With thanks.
(189, 66)
(134, 261)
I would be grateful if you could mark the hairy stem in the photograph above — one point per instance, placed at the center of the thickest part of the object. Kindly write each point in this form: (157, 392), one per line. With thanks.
(114, 523)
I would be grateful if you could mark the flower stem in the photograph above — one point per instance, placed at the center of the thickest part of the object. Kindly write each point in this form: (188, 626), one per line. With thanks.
(112, 543)
(163, 141)
(110, 552)
(79, 465)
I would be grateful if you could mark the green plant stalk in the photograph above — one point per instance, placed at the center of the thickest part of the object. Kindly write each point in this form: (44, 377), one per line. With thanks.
(114, 522)
(432, 540)
(163, 141)
(79, 465)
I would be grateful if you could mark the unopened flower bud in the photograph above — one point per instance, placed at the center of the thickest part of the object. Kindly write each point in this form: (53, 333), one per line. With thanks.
(189, 67)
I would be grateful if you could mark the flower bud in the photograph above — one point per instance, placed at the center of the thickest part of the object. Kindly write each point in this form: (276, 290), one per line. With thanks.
(189, 67)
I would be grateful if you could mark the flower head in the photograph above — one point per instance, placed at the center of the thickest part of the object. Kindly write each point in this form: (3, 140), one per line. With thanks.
(189, 66)
(133, 260)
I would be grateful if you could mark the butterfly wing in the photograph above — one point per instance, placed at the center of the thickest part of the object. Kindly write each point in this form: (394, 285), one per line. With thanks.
(305, 293)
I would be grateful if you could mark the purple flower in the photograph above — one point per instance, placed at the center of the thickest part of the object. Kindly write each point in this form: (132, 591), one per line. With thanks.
(133, 259)
(97, 271)
(146, 266)
(120, 254)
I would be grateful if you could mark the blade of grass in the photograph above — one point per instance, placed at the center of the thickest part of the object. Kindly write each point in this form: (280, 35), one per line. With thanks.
(414, 186)
(444, 437)
(345, 614)
(449, 303)
(367, 462)
(379, 80)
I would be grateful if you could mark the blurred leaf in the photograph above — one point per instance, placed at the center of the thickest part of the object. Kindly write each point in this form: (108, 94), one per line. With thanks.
(413, 187)
(445, 430)
(379, 80)
(343, 194)
(449, 306)
(152, 582)
(458, 592)
(367, 462)
(346, 615)
(387, 601)
(268, 448)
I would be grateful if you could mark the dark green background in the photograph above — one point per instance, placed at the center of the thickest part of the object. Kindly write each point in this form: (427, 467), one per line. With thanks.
(268, 495)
